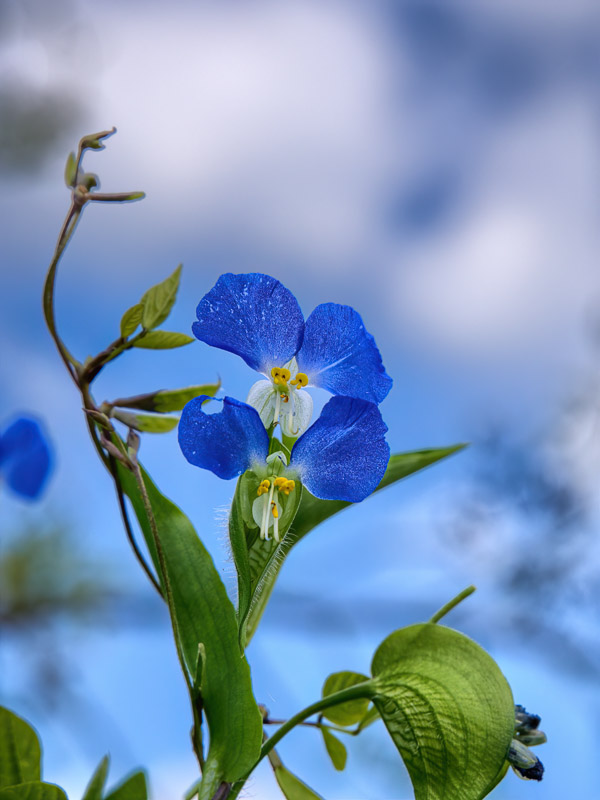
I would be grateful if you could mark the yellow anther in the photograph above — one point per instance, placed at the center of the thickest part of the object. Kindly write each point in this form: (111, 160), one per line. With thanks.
(274, 510)
(300, 380)
(279, 482)
(290, 485)
(280, 376)
(263, 487)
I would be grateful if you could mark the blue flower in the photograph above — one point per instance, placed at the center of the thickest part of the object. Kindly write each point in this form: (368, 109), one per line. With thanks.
(25, 458)
(342, 456)
(257, 318)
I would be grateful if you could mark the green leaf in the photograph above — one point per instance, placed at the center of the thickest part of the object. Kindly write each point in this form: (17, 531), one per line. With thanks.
(19, 750)
(166, 400)
(95, 787)
(34, 790)
(158, 301)
(175, 399)
(71, 170)
(146, 422)
(312, 512)
(205, 616)
(346, 713)
(448, 709)
(132, 788)
(163, 340)
(131, 319)
(336, 750)
(292, 787)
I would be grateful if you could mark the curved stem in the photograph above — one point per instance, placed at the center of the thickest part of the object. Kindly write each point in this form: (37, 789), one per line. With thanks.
(66, 232)
(452, 604)
(129, 530)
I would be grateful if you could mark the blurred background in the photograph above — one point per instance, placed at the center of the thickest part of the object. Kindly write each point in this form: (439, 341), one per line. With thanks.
(436, 166)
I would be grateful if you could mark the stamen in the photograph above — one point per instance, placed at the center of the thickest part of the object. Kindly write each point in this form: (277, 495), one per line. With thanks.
(275, 513)
(300, 380)
(277, 407)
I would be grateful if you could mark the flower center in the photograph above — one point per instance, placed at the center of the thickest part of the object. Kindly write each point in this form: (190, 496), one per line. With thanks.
(269, 508)
(280, 377)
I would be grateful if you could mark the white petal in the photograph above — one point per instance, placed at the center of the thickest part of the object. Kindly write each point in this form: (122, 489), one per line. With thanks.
(296, 423)
(262, 397)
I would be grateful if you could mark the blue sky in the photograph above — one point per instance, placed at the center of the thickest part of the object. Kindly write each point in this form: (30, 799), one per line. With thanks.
(435, 165)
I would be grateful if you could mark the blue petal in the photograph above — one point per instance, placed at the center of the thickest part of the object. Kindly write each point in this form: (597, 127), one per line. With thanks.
(25, 458)
(227, 443)
(253, 316)
(343, 455)
(339, 355)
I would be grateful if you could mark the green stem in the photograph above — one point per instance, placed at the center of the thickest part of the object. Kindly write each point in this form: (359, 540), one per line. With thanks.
(320, 725)
(120, 345)
(360, 690)
(64, 236)
(452, 604)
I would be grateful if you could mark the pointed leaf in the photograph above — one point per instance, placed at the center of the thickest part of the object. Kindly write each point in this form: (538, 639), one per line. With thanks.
(292, 787)
(71, 170)
(131, 319)
(448, 709)
(205, 616)
(163, 340)
(346, 713)
(176, 399)
(95, 787)
(132, 788)
(158, 301)
(312, 511)
(34, 790)
(336, 750)
(146, 422)
(166, 400)
(19, 750)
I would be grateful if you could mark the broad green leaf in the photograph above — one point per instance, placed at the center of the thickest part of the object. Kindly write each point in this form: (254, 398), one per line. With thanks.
(163, 340)
(132, 788)
(312, 511)
(71, 170)
(205, 616)
(19, 750)
(158, 300)
(34, 790)
(131, 319)
(146, 422)
(336, 750)
(95, 787)
(448, 709)
(346, 713)
(292, 787)
(166, 400)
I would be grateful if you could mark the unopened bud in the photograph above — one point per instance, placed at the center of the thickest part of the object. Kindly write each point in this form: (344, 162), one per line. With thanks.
(93, 140)
(525, 763)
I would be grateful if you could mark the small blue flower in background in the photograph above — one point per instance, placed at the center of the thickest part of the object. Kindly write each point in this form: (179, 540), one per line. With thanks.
(25, 458)
(257, 318)
(342, 456)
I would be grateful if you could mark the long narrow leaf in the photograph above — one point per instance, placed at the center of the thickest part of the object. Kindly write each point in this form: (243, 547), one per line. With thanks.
(206, 616)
